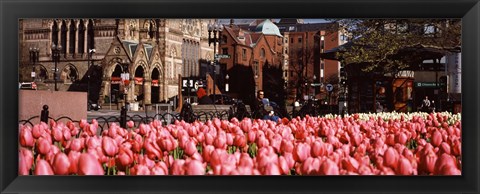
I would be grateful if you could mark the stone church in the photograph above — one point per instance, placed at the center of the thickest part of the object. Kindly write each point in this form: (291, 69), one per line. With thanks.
(154, 51)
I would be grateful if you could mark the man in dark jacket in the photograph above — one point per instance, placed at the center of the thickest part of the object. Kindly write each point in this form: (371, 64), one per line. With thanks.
(259, 110)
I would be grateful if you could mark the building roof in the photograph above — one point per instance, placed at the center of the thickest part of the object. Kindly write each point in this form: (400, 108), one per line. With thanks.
(267, 27)
(290, 21)
(131, 47)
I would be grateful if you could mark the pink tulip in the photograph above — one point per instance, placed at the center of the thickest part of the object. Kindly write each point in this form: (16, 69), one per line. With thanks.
(318, 149)
(43, 168)
(26, 137)
(272, 169)
(444, 148)
(37, 131)
(240, 141)
(195, 167)
(142, 170)
(130, 124)
(109, 146)
(328, 167)
(301, 152)
(177, 167)
(457, 148)
(436, 138)
(350, 164)
(404, 167)
(43, 146)
(57, 133)
(251, 136)
(61, 164)
(445, 160)
(391, 158)
(73, 157)
(25, 161)
(190, 148)
(220, 141)
(286, 146)
(76, 145)
(390, 140)
(157, 170)
(401, 138)
(89, 165)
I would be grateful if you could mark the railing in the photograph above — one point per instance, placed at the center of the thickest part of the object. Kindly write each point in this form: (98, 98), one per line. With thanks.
(187, 114)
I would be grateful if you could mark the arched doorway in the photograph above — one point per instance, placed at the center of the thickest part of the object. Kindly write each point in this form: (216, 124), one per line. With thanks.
(155, 88)
(42, 73)
(115, 82)
(139, 84)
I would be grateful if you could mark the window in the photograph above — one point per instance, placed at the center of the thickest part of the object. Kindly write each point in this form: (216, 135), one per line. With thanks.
(286, 40)
(72, 37)
(81, 37)
(55, 33)
(63, 37)
(291, 28)
(286, 50)
(262, 53)
(225, 51)
(299, 39)
(256, 68)
(223, 40)
(90, 35)
(291, 40)
(244, 54)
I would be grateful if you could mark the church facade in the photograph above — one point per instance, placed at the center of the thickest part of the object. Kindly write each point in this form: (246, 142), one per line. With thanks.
(155, 51)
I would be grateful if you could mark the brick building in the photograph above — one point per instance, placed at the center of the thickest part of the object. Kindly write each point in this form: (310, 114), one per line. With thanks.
(253, 48)
(303, 43)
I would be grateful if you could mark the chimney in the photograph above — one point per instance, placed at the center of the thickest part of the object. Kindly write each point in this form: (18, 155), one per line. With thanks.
(231, 23)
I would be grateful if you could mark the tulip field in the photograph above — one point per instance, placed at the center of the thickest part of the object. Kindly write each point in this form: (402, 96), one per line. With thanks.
(358, 144)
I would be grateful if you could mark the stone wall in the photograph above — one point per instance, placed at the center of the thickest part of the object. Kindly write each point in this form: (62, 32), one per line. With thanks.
(71, 104)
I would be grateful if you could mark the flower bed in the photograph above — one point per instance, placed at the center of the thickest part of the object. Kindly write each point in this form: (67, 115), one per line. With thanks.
(359, 144)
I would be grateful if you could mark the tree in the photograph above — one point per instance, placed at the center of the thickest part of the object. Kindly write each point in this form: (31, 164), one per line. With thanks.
(300, 58)
(382, 44)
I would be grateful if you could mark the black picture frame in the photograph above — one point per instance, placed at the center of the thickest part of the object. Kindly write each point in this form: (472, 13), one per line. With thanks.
(11, 11)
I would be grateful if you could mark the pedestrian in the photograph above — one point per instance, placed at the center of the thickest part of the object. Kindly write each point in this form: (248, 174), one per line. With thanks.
(432, 106)
(202, 97)
(259, 108)
(425, 104)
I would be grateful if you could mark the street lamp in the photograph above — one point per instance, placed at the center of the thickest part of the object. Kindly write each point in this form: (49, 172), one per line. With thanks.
(226, 84)
(34, 55)
(215, 28)
(56, 49)
(125, 79)
(314, 86)
(90, 62)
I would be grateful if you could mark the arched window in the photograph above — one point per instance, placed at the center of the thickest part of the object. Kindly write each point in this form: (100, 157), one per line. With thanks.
(72, 37)
(81, 37)
(262, 53)
(55, 33)
(64, 37)
(90, 35)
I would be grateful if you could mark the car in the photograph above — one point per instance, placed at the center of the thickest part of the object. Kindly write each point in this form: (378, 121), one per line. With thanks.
(27, 86)
(223, 99)
(93, 106)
